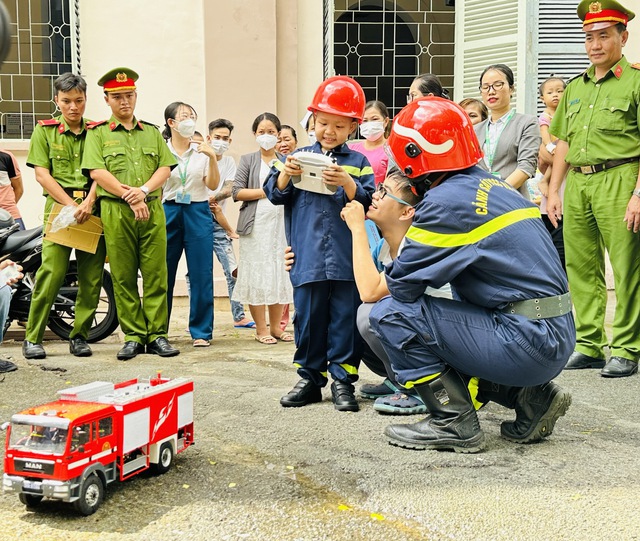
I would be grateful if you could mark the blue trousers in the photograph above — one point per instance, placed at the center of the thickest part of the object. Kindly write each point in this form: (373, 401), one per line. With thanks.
(423, 337)
(224, 252)
(325, 331)
(190, 229)
(5, 302)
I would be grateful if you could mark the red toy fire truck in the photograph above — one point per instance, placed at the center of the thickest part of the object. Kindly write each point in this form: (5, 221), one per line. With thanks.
(93, 434)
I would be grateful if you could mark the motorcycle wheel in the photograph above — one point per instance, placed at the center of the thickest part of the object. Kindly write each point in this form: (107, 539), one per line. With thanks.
(105, 320)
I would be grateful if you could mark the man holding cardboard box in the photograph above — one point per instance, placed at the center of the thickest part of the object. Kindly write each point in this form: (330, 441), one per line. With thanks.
(55, 152)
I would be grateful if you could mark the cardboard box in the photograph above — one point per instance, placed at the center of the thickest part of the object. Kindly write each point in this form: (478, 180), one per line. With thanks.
(83, 237)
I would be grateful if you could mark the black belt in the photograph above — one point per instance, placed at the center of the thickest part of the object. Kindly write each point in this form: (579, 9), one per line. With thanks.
(591, 169)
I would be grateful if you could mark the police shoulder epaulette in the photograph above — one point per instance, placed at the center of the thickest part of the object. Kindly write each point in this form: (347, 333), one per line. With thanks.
(149, 123)
(635, 66)
(95, 123)
(49, 122)
(581, 74)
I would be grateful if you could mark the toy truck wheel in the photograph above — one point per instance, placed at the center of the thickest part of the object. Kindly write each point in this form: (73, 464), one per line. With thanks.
(30, 500)
(165, 458)
(91, 495)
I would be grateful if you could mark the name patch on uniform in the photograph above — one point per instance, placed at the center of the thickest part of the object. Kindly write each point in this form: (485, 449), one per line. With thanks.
(573, 102)
(111, 143)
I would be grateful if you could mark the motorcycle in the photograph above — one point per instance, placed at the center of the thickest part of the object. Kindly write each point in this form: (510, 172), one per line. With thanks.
(25, 249)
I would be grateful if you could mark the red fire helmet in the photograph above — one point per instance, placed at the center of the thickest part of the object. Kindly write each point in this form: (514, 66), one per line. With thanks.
(341, 96)
(433, 134)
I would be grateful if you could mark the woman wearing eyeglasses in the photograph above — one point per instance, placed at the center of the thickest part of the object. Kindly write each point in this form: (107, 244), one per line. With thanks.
(510, 140)
(185, 198)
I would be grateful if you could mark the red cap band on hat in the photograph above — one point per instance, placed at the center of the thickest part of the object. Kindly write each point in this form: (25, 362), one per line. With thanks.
(120, 83)
(606, 15)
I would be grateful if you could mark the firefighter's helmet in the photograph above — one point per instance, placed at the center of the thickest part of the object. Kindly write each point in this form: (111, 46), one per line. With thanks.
(430, 135)
(341, 96)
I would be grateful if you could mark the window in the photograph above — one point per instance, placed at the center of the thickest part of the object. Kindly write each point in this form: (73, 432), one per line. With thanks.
(44, 45)
(384, 45)
(105, 427)
(79, 436)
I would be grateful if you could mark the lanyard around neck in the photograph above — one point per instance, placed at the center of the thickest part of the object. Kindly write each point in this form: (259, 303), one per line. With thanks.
(182, 171)
(490, 149)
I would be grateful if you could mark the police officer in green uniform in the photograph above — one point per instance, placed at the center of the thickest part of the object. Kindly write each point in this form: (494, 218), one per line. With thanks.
(55, 152)
(598, 127)
(130, 162)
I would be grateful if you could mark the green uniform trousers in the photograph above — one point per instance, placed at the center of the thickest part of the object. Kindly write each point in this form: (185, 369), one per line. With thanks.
(50, 277)
(594, 208)
(133, 245)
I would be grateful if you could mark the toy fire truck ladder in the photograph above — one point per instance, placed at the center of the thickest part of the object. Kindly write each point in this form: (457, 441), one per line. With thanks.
(122, 393)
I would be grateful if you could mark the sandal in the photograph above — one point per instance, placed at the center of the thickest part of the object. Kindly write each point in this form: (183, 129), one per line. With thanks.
(267, 340)
(400, 403)
(244, 324)
(201, 343)
(373, 391)
(284, 337)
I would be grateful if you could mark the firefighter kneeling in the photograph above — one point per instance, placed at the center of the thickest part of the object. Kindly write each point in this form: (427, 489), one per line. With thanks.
(509, 324)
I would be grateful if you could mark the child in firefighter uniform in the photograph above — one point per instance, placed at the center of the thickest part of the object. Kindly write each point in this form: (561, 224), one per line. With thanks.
(510, 322)
(324, 292)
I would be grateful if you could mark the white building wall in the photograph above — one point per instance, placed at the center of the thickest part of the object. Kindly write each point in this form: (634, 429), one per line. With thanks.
(235, 58)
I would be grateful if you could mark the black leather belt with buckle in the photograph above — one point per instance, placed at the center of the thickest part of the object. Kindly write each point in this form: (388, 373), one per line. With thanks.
(76, 193)
(591, 169)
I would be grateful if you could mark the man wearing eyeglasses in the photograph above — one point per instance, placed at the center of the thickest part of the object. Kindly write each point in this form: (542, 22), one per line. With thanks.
(598, 126)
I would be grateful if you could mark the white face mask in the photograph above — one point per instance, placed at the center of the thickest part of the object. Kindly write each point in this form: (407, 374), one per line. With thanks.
(186, 127)
(219, 146)
(372, 131)
(312, 137)
(267, 141)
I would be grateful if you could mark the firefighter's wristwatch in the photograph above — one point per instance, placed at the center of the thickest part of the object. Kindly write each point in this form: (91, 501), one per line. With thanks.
(145, 190)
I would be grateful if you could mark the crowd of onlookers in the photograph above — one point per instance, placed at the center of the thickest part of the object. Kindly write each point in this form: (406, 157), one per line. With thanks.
(511, 141)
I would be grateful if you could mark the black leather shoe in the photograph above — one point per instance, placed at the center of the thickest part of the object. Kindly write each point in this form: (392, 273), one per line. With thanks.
(160, 346)
(7, 366)
(305, 392)
(343, 395)
(130, 350)
(578, 361)
(78, 346)
(619, 367)
(33, 351)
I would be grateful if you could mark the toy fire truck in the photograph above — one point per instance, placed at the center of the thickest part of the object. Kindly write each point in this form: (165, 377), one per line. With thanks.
(93, 434)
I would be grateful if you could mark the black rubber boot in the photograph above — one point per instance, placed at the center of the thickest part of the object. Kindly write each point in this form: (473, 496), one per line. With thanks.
(452, 423)
(500, 394)
(537, 410)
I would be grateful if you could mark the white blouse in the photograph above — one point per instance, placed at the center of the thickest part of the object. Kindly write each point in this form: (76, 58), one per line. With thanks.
(193, 166)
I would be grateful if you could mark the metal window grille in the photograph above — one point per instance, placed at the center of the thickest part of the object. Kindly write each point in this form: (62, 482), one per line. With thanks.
(560, 42)
(45, 43)
(384, 45)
